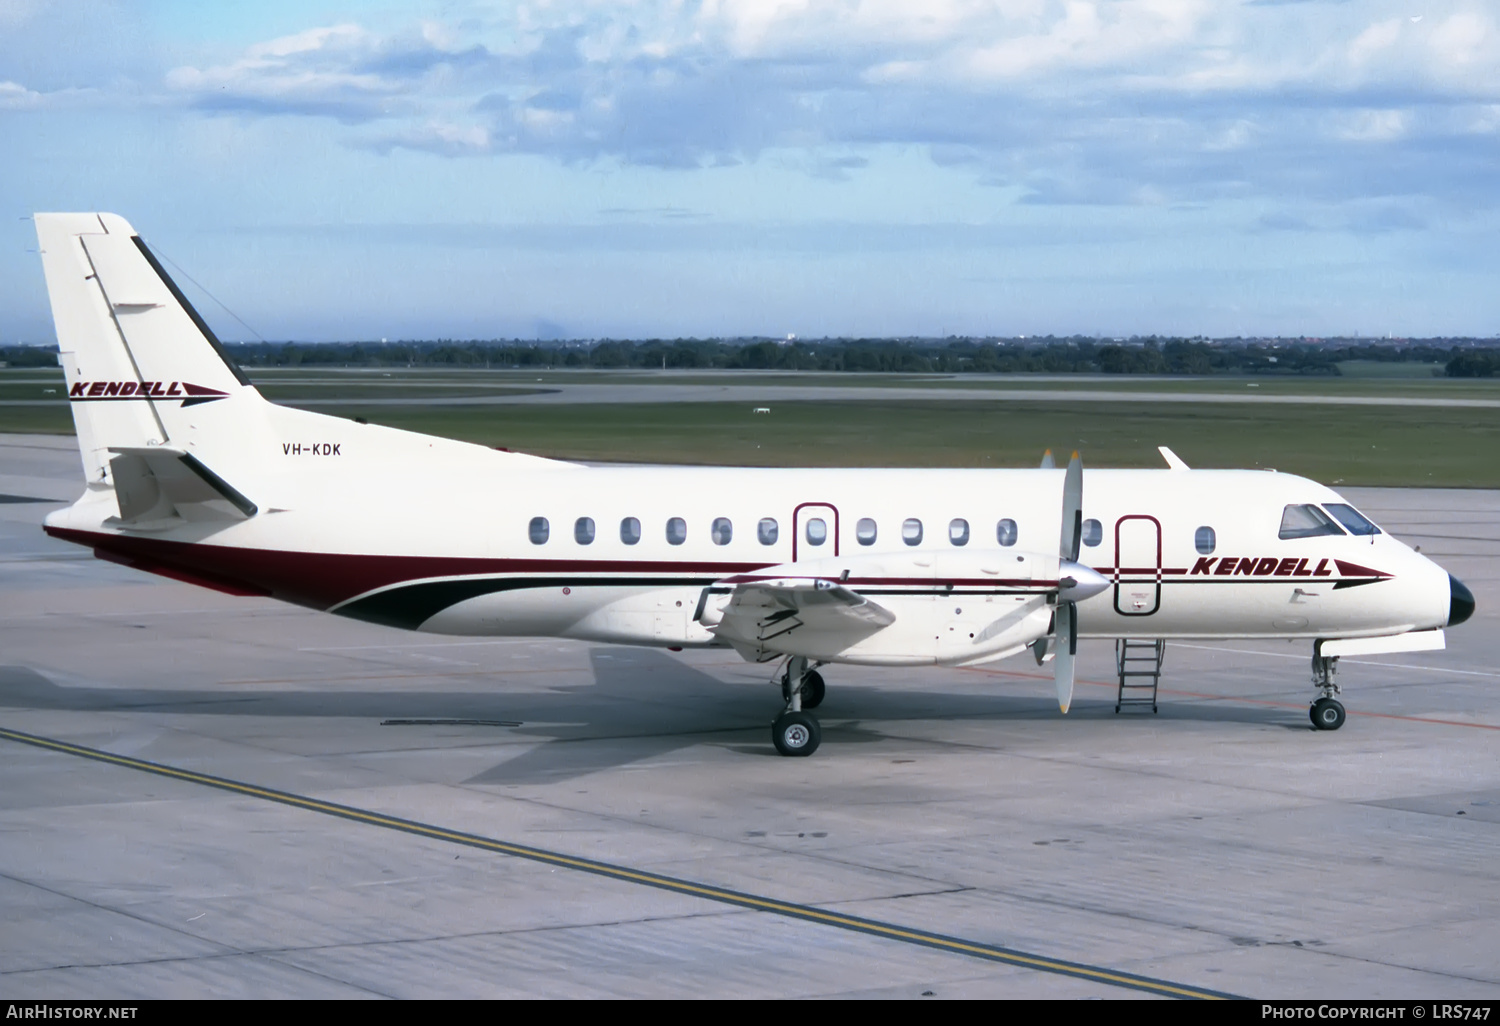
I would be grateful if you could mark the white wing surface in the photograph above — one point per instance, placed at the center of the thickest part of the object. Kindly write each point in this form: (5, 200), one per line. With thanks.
(798, 617)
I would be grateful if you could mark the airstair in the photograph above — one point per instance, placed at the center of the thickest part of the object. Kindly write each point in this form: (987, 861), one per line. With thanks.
(1138, 661)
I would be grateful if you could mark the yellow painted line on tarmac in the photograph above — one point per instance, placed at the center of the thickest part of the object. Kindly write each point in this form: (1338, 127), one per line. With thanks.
(806, 913)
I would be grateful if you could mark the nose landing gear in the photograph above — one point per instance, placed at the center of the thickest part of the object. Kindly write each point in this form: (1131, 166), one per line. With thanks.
(1327, 713)
(795, 732)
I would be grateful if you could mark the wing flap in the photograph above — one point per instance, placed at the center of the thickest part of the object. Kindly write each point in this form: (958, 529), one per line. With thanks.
(780, 615)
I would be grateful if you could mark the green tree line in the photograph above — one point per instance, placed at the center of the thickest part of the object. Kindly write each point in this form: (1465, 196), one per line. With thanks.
(1056, 355)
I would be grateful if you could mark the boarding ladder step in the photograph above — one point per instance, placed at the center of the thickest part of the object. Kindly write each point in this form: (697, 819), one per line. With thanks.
(1138, 662)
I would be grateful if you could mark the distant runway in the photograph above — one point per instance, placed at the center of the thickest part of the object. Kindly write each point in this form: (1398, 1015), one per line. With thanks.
(1221, 845)
(762, 394)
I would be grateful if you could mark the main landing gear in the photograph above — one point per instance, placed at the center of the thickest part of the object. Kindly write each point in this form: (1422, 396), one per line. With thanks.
(1327, 713)
(796, 732)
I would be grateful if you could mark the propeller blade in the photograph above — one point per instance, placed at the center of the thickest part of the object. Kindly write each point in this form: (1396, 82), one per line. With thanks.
(1048, 463)
(1072, 509)
(1067, 648)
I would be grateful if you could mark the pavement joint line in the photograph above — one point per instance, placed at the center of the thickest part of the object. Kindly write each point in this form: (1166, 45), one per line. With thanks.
(741, 899)
(1252, 701)
(1346, 659)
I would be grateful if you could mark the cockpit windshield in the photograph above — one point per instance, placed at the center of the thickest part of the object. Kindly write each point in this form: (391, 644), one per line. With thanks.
(1353, 520)
(1304, 520)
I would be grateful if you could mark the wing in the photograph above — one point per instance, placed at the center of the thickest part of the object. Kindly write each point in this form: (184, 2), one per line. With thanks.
(816, 618)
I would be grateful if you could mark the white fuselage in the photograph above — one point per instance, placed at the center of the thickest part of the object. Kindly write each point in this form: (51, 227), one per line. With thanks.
(438, 536)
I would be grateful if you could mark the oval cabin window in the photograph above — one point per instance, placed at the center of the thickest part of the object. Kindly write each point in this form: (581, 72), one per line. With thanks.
(864, 531)
(630, 530)
(1005, 532)
(583, 530)
(1204, 540)
(1093, 533)
(958, 532)
(676, 531)
(721, 531)
(767, 530)
(911, 531)
(538, 530)
(817, 531)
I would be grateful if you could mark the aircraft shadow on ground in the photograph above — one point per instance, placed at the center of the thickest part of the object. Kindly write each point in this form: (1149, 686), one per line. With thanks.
(642, 704)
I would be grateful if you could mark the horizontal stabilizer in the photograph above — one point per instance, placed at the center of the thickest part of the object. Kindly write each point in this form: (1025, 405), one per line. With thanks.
(157, 485)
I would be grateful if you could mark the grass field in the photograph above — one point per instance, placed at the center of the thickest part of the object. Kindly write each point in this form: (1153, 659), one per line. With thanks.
(1377, 445)
(1346, 445)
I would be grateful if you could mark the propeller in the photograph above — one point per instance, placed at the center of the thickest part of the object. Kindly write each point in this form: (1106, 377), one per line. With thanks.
(1075, 583)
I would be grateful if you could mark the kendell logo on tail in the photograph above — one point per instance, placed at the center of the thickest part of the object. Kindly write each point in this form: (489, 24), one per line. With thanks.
(115, 391)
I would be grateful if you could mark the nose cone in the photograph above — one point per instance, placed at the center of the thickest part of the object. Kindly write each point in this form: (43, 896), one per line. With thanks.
(1460, 602)
(1077, 582)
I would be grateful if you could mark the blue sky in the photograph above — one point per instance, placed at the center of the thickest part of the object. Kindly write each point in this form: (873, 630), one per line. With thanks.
(336, 170)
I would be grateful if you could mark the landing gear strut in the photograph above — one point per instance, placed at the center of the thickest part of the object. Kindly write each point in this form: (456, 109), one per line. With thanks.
(1327, 713)
(795, 732)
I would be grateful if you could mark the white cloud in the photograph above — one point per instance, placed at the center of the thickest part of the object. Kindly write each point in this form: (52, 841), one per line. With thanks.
(1374, 40)
(1374, 125)
(14, 96)
(1460, 39)
(1118, 101)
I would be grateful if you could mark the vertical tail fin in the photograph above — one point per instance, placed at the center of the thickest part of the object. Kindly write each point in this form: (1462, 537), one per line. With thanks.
(134, 352)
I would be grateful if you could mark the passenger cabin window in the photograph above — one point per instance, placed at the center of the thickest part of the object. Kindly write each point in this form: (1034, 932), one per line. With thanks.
(817, 531)
(911, 531)
(864, 531)
(630, 530)
(676, 531)
(583, 530)
(721, 531)
(958, 531)
(1304, 520)
(1354, 522)
(1093, 533)
(538, 530)
(1204, 540)
(767, 530)
(1005, 532)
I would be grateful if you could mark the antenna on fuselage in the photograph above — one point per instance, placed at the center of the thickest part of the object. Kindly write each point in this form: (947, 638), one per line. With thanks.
(1174, 461)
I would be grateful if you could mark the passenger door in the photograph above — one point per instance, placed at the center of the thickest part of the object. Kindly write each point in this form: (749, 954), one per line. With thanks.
(1137, 565)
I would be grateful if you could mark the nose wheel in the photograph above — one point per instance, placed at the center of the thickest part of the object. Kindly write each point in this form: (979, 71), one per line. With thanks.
(1327, 713)
(796, 732)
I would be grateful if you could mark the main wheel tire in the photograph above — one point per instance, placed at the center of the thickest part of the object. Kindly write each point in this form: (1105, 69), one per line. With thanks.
(812, 690)
(796, 733)
(1327, 714)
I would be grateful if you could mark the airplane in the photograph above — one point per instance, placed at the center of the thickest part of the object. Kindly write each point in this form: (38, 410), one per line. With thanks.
(192, 474)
